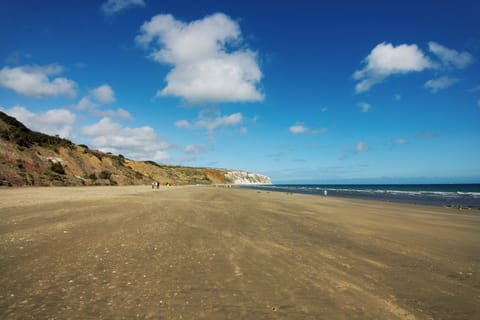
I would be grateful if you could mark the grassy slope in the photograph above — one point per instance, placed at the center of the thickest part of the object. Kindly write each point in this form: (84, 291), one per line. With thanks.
(33, 158)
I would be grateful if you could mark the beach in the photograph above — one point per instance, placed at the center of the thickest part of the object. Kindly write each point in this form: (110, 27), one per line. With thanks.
(200, 252)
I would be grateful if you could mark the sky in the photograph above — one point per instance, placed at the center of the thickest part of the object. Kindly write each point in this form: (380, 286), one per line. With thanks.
(302, 91)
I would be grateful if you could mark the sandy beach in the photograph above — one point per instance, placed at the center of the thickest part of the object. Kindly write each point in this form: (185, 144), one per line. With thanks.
(229, 253)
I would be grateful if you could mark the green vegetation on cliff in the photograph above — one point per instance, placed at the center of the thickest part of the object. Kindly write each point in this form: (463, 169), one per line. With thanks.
(33, 158)
(19, 134)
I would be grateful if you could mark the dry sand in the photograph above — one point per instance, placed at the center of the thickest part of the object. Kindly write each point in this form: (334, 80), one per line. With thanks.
(215, 253)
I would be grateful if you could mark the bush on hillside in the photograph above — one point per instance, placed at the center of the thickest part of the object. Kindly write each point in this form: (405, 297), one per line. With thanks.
(57, 167)
(105, 175)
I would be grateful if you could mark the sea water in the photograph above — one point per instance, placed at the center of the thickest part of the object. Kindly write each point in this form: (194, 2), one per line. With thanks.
(463, 195)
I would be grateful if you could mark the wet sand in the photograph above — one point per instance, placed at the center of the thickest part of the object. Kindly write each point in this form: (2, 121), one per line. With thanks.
(217, 253)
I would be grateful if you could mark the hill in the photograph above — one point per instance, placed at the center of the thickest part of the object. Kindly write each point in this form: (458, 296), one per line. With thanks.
(29, 158)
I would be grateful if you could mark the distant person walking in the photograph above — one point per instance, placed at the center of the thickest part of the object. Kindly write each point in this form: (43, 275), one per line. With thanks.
(158, 185)
(325, 193)
(153, 185)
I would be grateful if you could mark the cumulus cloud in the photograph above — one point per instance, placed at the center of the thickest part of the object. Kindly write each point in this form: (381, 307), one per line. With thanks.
(85, 104)
(115, 6)
(365, 107)
(450, 57)
(206, 68)
(299, 128)
(100, 96)
(37, 81)
(54, 122)
(103, 94)
(385, 60)
(434, 85)
(209, 123)
(136, 143)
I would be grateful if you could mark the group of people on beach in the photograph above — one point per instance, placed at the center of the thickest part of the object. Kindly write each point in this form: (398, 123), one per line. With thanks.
(156, 184)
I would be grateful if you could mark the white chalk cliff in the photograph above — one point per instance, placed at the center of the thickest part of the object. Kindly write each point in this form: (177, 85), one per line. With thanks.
(243, 177)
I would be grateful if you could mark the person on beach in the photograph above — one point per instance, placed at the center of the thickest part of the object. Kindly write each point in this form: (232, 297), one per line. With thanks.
(325, 193)
(158, 185)
(153, 185)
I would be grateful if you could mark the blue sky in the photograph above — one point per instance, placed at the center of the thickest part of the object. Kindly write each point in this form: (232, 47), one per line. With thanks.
(303, 91)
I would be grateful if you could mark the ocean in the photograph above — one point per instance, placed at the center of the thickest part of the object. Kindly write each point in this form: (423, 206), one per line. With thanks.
(461, 195)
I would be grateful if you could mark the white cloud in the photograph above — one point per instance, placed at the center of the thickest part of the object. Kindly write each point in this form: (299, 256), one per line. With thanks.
(114, 6)
(85, 104)
(136, 143)
(211, 123)
(37, 81)
(102, 128)
(450, 57)
(385, 60)
(361, 146)
(206, 68)
(183, 124)
(444, 82)
(365, 107)
(103, 94)
(54, 122)
(299, 128)
(115, 113)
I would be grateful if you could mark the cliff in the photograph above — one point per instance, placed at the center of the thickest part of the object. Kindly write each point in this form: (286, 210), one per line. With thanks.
(242, 177)
(29, 158)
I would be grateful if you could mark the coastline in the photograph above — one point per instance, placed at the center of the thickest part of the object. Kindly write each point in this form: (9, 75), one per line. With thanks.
(459, 196)
(214, 253)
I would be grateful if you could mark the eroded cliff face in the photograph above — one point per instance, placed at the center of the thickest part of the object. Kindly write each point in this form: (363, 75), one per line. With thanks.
(29, 158)
(243, 177)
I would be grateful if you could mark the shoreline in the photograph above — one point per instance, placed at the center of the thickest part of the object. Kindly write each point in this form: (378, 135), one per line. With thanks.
(26, 195)
(381, 195)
